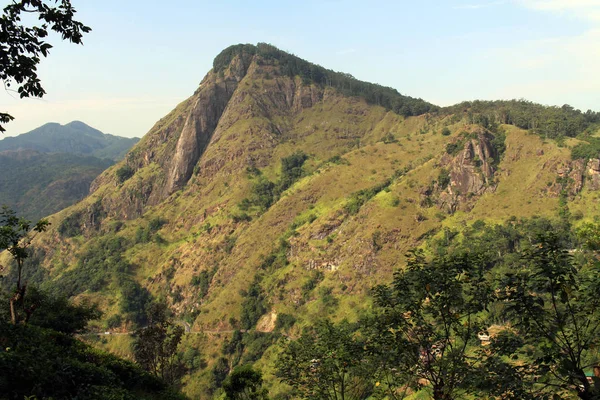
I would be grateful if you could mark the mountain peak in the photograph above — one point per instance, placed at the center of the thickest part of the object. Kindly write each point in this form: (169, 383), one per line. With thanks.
(76, 137)
(291, 65)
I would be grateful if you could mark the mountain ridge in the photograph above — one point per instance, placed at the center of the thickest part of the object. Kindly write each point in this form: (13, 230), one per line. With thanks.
(75, 137)
(266, 195)
(53, 166)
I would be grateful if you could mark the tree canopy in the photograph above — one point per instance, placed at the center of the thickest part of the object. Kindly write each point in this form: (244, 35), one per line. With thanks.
(22, 47)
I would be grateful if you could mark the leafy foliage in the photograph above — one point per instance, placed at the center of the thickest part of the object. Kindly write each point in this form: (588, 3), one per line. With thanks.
(425, 320)
(264, 192)
(327, 362)
(155, 347)
(55, 313)
(254, 305)
(23, 46)
(554, 305)
(202, 282)
(550, 122)
(244, 383)
(43, 363)
(124, 173)
(358, 199)
(103, 266)
(15, 238)
(586, 150)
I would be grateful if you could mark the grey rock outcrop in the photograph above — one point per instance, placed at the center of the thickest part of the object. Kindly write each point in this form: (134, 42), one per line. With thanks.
(471, 172)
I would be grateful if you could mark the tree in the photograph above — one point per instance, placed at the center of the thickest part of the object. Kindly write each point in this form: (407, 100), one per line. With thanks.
(244, 383)
(554, 303)
(21, 46)
(56, 313)
(327, 362)
(15, 237)
(155, 347)
(425, 321)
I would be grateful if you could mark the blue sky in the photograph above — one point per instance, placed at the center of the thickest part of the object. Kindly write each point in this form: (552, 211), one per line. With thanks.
(143, 57)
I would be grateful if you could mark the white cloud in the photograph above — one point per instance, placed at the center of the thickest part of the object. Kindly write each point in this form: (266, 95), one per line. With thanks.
(560, 69)
(345, 51)
(584, 9)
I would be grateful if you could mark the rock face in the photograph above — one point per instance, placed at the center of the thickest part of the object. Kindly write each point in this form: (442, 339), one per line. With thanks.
(201, 137)
(471, 172)
(573, 175)
(208, 105)
(593, 173)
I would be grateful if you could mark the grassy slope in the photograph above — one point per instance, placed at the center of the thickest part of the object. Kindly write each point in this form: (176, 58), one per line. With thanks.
(350, 262)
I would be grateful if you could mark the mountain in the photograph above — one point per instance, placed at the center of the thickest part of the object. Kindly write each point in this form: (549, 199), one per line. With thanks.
(73, 138)
(281, 192)
(52, 167)
(37, 185)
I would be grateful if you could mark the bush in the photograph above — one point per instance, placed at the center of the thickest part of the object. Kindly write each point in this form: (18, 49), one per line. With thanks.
(124, 173)
(358, 199)
(202, 281)
(588, 150)
(71, 225)
(443, 178)
(455, 147)
(284, 322)
(254, 305)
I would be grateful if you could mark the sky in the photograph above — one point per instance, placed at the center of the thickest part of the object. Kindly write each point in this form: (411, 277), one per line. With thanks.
(143, 57)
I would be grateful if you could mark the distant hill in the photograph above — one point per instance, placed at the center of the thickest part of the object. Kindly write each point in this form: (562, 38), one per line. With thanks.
(37, 184)
(73, 138)
(52, 167)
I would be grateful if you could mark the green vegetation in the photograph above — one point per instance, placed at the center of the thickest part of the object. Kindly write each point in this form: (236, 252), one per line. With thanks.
(345, 221)
(358, 199)
(244, 383)
(264, 192)
(41, 363)
(291, 66)
(74, 138)
(102, 267)
(70, 226)
(26, 44)
(40, 184)
(40, 357)
(443, 179)
(586, 150)
(327, 362)
(124, 173)
(254, 305)
(202, 282)
(53, 166)
(549, 122)
(149, 233)
(504, 312)
(155, 346)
